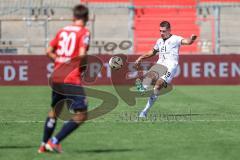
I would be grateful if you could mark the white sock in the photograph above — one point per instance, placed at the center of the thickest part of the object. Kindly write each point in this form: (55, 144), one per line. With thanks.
(150, 102)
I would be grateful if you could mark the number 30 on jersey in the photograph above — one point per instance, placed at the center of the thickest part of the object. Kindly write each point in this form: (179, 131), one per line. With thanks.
(67, 43)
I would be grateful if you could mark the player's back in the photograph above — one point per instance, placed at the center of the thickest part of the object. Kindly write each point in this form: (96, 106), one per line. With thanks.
(68, 41)
(67, 44)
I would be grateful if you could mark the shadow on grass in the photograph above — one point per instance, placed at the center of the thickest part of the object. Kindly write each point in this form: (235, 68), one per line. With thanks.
(17, 147)
(105, 150)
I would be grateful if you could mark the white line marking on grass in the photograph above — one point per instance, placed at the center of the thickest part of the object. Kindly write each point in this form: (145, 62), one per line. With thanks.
(122, 121)
(20, 121)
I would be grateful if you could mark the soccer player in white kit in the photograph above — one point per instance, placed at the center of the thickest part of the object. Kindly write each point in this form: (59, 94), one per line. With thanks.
(168, 48)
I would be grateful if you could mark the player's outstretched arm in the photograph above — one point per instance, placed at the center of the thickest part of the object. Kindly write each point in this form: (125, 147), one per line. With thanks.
(144, 56)
(50, 53)
(189, 41)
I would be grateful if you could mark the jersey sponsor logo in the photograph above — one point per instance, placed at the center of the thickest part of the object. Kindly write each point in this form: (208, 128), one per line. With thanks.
(72, 28)
(63, 59)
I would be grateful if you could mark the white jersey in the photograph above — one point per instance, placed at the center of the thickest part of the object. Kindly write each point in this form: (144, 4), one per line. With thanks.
(168, 55)
(168, 49)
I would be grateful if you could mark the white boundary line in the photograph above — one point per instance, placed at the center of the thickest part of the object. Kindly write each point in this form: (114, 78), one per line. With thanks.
(125, 121)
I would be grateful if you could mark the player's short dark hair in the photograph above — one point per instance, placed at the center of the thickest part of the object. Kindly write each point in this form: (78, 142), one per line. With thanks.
(165, 24)
(81, 12)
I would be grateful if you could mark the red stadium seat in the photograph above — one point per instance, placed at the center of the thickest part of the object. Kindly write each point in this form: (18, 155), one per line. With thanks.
(222, 1)
(147, 23)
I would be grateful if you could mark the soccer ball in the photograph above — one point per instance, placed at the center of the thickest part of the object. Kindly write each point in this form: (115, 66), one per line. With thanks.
(116, 62)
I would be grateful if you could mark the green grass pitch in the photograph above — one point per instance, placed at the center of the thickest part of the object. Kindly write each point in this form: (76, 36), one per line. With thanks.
(191, 122)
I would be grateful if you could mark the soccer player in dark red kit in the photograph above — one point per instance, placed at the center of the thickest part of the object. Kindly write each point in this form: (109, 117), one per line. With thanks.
(71, 42)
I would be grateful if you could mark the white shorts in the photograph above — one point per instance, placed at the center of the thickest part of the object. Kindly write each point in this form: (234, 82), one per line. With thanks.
(171, 71)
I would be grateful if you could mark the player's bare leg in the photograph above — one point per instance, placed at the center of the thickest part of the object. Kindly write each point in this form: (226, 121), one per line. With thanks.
(147, 80)
(80, 117)
(156, 91)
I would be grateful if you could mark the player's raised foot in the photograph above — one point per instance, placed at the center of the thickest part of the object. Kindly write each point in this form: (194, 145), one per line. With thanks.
(53, 147)
(42, 149)
(139, 86)
(143, 115)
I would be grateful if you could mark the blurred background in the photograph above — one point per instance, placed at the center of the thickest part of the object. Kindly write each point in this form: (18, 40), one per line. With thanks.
(121, 26)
